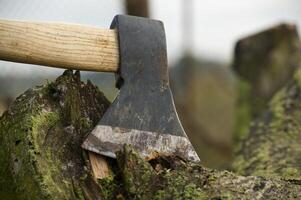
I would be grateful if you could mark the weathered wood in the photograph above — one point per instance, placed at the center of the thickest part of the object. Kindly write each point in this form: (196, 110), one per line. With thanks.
(40, 138)
(59, 45)
(272, 147)
(173, 178)
(264, 63)
(41, 158)
(99, 166)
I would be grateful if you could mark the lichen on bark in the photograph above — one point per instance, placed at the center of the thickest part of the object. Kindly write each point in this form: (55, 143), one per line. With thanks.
(41, 157)
(273, 146)
(264, 62)
(173, 178)
(40, 138)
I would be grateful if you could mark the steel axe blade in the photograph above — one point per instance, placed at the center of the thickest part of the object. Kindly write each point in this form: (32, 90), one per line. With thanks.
(143, 114)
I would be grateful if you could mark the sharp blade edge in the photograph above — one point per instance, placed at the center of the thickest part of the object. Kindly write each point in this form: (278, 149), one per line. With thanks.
(107, 140)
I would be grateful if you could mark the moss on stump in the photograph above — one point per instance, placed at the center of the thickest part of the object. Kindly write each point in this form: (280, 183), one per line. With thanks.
(40, 138)
(264, 63)
(41, 158)
(273, 146)
(172, 178)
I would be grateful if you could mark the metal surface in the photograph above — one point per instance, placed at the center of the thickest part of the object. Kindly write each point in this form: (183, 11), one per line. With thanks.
(148, 144)
(145, 101)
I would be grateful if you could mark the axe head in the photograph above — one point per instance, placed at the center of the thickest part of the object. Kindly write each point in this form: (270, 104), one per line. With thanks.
(143, 114)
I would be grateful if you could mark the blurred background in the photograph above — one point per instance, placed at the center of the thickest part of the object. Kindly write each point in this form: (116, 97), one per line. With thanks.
(226, 59)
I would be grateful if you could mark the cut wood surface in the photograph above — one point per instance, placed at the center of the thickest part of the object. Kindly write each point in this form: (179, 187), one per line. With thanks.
(99, 166)
(59, 45)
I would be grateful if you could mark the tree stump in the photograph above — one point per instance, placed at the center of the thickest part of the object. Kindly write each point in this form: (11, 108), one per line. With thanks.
(273, 146)
(41, 157)
(264, 63)
(40, 138)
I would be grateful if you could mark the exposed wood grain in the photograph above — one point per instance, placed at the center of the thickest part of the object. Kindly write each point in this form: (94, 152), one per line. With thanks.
(59, 45)
(99, 165)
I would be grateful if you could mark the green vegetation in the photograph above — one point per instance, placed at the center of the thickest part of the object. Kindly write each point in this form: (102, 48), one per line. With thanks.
(273, 146)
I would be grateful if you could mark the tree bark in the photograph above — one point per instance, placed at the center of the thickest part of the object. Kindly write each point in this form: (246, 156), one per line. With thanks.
(272, 147)
(173, 178)
(260, 59)
(40, 138)
(41, 158)
(264, 63)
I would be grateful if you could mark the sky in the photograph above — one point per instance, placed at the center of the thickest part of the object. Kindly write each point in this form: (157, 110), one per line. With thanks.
(217, 24)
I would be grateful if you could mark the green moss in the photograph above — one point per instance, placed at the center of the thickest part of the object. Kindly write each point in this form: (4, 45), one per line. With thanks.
(179, 186)
(243, 111)
(297, 77)
(136, 173)
(276, 104)
(141, 181)
(173, 178)
(289, 172)
(273, 147)
(85, 123)
(40, 137)
(226, 196)
(41, 123)
(19, 154)
(109, 187)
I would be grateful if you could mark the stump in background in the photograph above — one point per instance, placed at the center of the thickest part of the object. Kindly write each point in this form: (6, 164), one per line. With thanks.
(272, 147)
(264, 63)
(205, 94)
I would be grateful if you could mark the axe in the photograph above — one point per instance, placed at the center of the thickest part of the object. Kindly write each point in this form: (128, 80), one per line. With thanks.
(143, 114)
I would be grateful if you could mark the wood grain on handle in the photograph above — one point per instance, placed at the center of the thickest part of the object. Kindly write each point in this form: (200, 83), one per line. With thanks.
(59, 45)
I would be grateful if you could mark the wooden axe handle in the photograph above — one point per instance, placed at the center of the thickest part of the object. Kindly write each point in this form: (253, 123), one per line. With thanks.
(59, 45)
